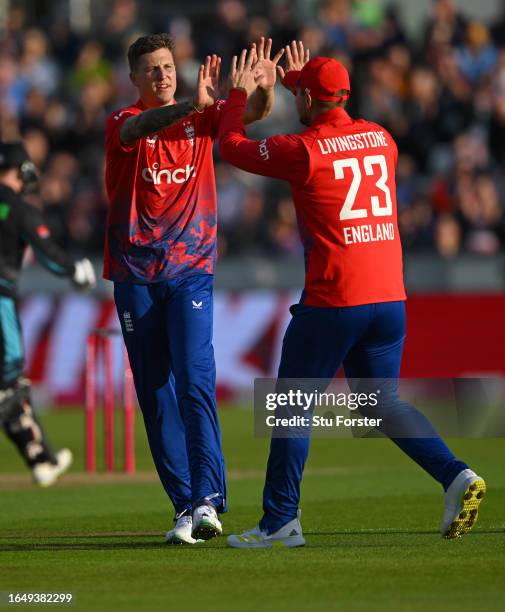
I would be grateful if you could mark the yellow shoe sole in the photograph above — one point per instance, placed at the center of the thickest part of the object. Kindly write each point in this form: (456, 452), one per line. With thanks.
(469, 513)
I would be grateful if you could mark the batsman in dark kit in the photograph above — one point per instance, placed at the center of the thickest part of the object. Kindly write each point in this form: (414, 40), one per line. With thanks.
(22, 225)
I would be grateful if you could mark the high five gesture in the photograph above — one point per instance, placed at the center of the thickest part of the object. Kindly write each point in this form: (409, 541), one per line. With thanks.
(296, 57)
(208, 82)
(265, 68)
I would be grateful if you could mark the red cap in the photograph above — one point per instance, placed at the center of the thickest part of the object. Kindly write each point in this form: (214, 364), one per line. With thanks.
(323, 77)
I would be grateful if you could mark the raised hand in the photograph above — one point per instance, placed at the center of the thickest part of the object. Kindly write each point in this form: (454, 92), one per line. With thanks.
(296, 57)
(265, 68)
(242, 72)
(208, 81)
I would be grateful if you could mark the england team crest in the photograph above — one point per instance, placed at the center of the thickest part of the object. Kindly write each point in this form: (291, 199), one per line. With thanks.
(189, 130)
(151, 140)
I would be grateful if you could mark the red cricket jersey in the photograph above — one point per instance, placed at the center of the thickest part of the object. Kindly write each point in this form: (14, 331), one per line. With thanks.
(162, 194)
(342, 177)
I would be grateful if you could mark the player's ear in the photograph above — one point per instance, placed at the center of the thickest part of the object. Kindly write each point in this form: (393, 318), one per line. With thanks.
(307, 98)
(133, 79)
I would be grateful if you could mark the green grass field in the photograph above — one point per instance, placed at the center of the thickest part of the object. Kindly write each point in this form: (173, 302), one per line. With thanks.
(369, 515)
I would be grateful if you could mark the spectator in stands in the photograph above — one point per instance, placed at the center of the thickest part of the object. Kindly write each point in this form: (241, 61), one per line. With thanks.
(37, 69)
(478, 57)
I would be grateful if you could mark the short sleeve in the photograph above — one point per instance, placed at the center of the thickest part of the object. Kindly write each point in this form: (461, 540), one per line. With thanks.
(113, 129)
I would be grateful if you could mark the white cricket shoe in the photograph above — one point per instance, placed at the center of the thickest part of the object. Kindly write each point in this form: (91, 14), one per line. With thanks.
(206, 524)
(290, 535)
(462, 500)
(46, 474)
(181, 533)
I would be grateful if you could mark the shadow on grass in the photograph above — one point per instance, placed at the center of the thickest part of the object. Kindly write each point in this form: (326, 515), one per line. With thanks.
(143, 546)
(53, 546)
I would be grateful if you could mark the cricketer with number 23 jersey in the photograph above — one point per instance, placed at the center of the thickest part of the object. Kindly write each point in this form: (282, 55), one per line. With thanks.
(352, 311)
(342, 177)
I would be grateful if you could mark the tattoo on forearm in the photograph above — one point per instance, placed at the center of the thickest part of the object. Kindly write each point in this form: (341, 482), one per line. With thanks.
(153, 120)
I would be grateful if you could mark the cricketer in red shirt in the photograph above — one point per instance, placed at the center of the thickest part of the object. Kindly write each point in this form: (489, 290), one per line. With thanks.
(352, 311)
(342, 176)
(160, 252)
(162, 194)
(160, 184)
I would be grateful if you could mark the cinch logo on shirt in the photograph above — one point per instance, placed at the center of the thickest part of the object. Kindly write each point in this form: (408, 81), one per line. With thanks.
(264, 150)
(179, 175)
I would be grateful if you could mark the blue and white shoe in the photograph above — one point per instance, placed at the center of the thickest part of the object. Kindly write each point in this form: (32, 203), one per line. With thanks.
(290, 535)
(462, 501)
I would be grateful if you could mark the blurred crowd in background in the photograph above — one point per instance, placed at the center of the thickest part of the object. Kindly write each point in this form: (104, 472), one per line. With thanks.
(440, 94)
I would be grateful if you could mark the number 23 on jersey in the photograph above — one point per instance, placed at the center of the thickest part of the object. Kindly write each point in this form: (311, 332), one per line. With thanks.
(371, 165)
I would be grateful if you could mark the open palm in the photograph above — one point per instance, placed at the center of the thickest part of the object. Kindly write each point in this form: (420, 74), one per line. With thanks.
(296, 58)
(208, 82)
(265, 69)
